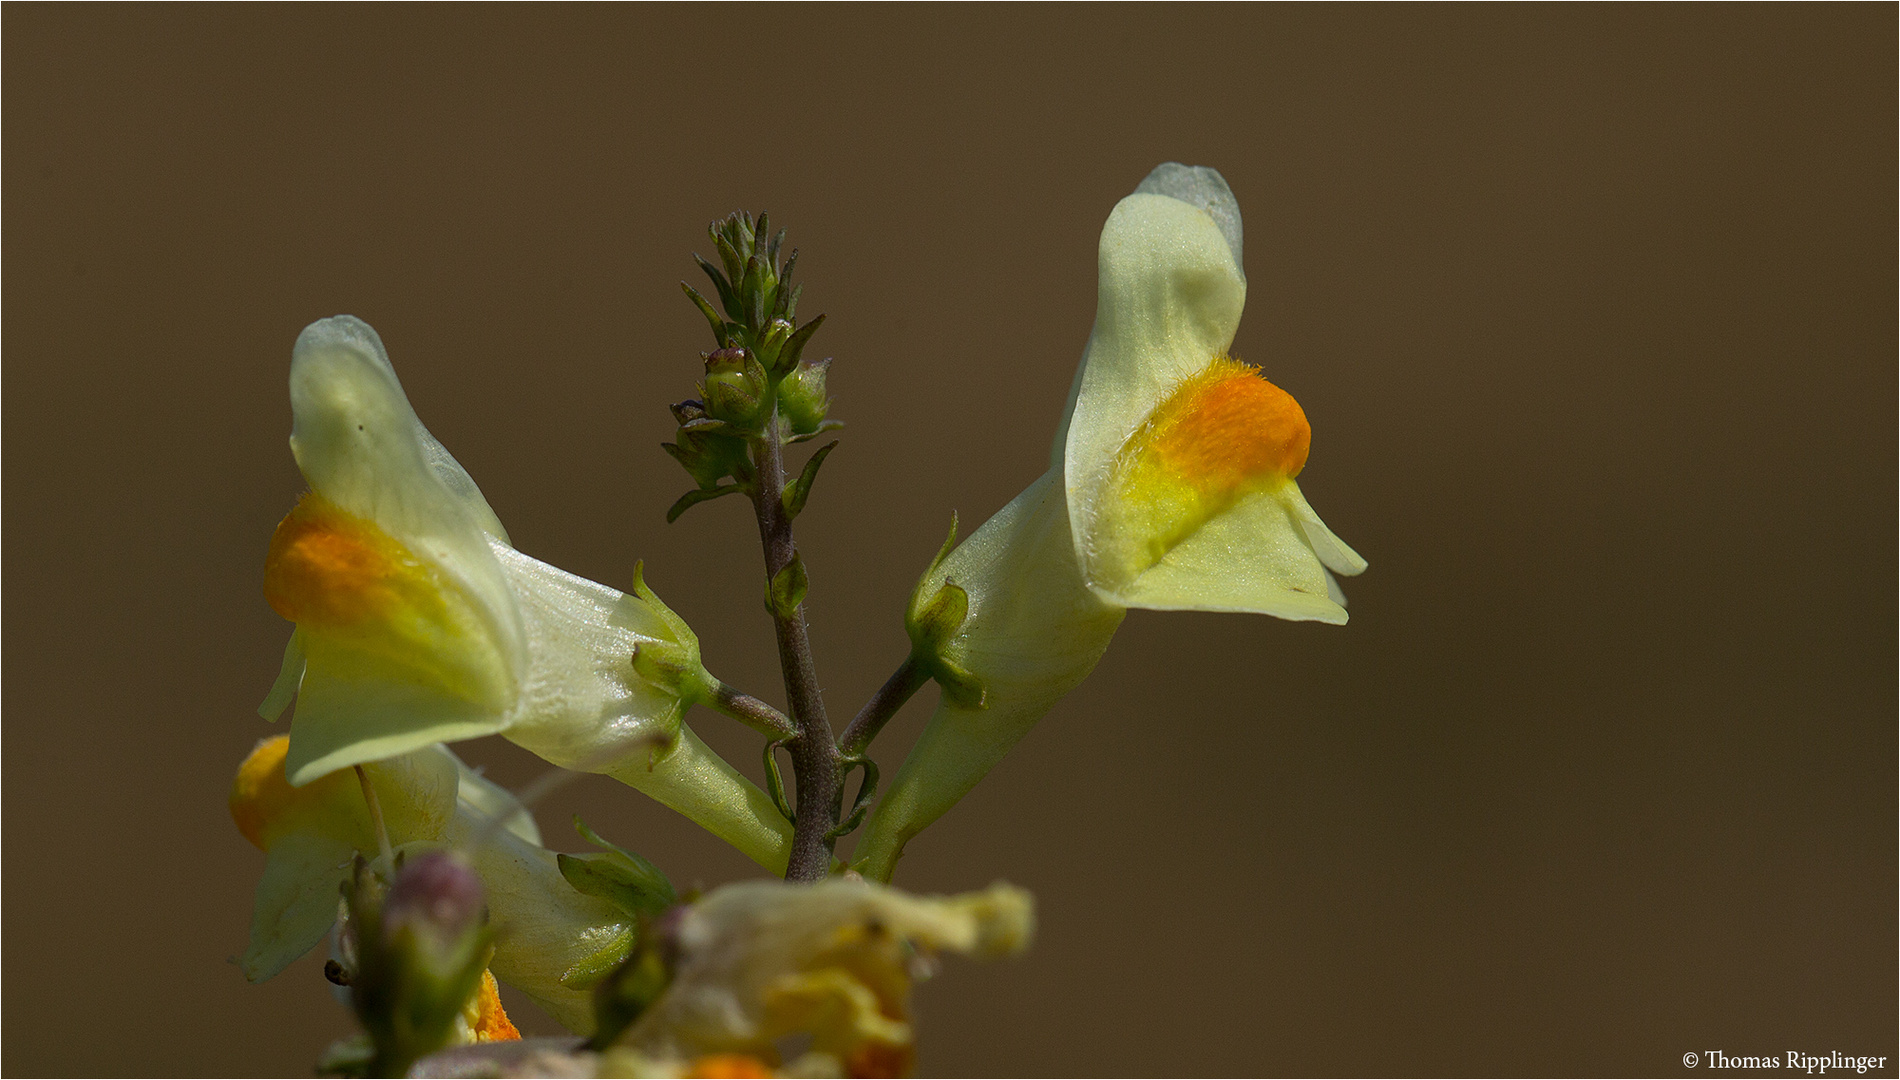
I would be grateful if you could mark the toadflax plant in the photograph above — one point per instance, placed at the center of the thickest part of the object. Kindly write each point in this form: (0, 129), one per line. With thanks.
(1171, 485)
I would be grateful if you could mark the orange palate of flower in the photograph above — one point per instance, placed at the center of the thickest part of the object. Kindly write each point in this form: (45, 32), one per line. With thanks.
(329, 568)
(728, 1067)
(262, 800)
(1226, 428)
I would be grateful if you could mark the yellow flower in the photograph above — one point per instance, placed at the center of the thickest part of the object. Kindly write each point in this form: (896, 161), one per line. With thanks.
(311, 836)
(760, 961)
(1171, 486)
(418, 622)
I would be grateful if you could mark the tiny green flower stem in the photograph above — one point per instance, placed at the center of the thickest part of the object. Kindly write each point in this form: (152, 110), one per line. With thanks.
(750, 711)
(909, 677)
(698, 783)
(815, 757)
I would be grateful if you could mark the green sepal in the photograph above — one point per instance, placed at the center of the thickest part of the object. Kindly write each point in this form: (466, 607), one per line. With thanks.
(862, 803)
(932, 621)
(771, 343)
(670, 661)
(695, 497)
(736, 388)
(801, 396)
(932, 628)
(960, 688)
(786, 590)
(617, 876)
(799, 490)
(735, 273)
(775, 782)
(628, 989)
(598, 966)
(795, 345)
(787, 301)
(823, 429)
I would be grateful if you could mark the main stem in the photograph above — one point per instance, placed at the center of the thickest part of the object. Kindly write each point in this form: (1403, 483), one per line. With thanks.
(815, 756)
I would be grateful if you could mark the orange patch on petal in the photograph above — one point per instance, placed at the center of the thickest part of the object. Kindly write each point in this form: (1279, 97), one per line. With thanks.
(328, 568)
(1222, 435)
(1227, 428)
(262, 800)
(715, 1066)
(491, 1023)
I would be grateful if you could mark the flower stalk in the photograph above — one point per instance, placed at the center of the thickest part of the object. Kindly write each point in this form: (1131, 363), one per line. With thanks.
(815, 757)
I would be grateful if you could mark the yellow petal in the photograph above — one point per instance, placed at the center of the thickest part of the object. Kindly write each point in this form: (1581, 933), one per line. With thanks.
(1221, 436)
(1179, 461)
(407, 629)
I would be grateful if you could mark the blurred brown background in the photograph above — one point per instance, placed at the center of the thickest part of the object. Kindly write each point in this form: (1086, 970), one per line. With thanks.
(1593, 311)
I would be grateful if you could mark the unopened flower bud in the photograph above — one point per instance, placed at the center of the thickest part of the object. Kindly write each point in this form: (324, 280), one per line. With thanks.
(437, 895)
(802, 396)
(735, 387)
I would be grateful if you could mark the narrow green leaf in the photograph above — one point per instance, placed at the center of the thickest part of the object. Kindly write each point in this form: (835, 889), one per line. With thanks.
(694, 498)
(795, 345)
(785, 296)
(735, 271)
(862, 803)
(719, 280)
(800, 489)
(775, 783)
(705, 308)
(787, 588)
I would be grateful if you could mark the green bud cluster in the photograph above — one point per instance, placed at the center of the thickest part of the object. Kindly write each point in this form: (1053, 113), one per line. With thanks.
(758, 369)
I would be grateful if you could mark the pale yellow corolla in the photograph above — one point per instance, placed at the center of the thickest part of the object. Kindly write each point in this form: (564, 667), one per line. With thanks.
(1172, 485)
(758, 963)
(418, 622)
(312, 835)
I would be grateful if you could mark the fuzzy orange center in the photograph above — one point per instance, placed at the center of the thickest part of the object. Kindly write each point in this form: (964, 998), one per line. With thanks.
(1226, 429)
(1223, 434)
